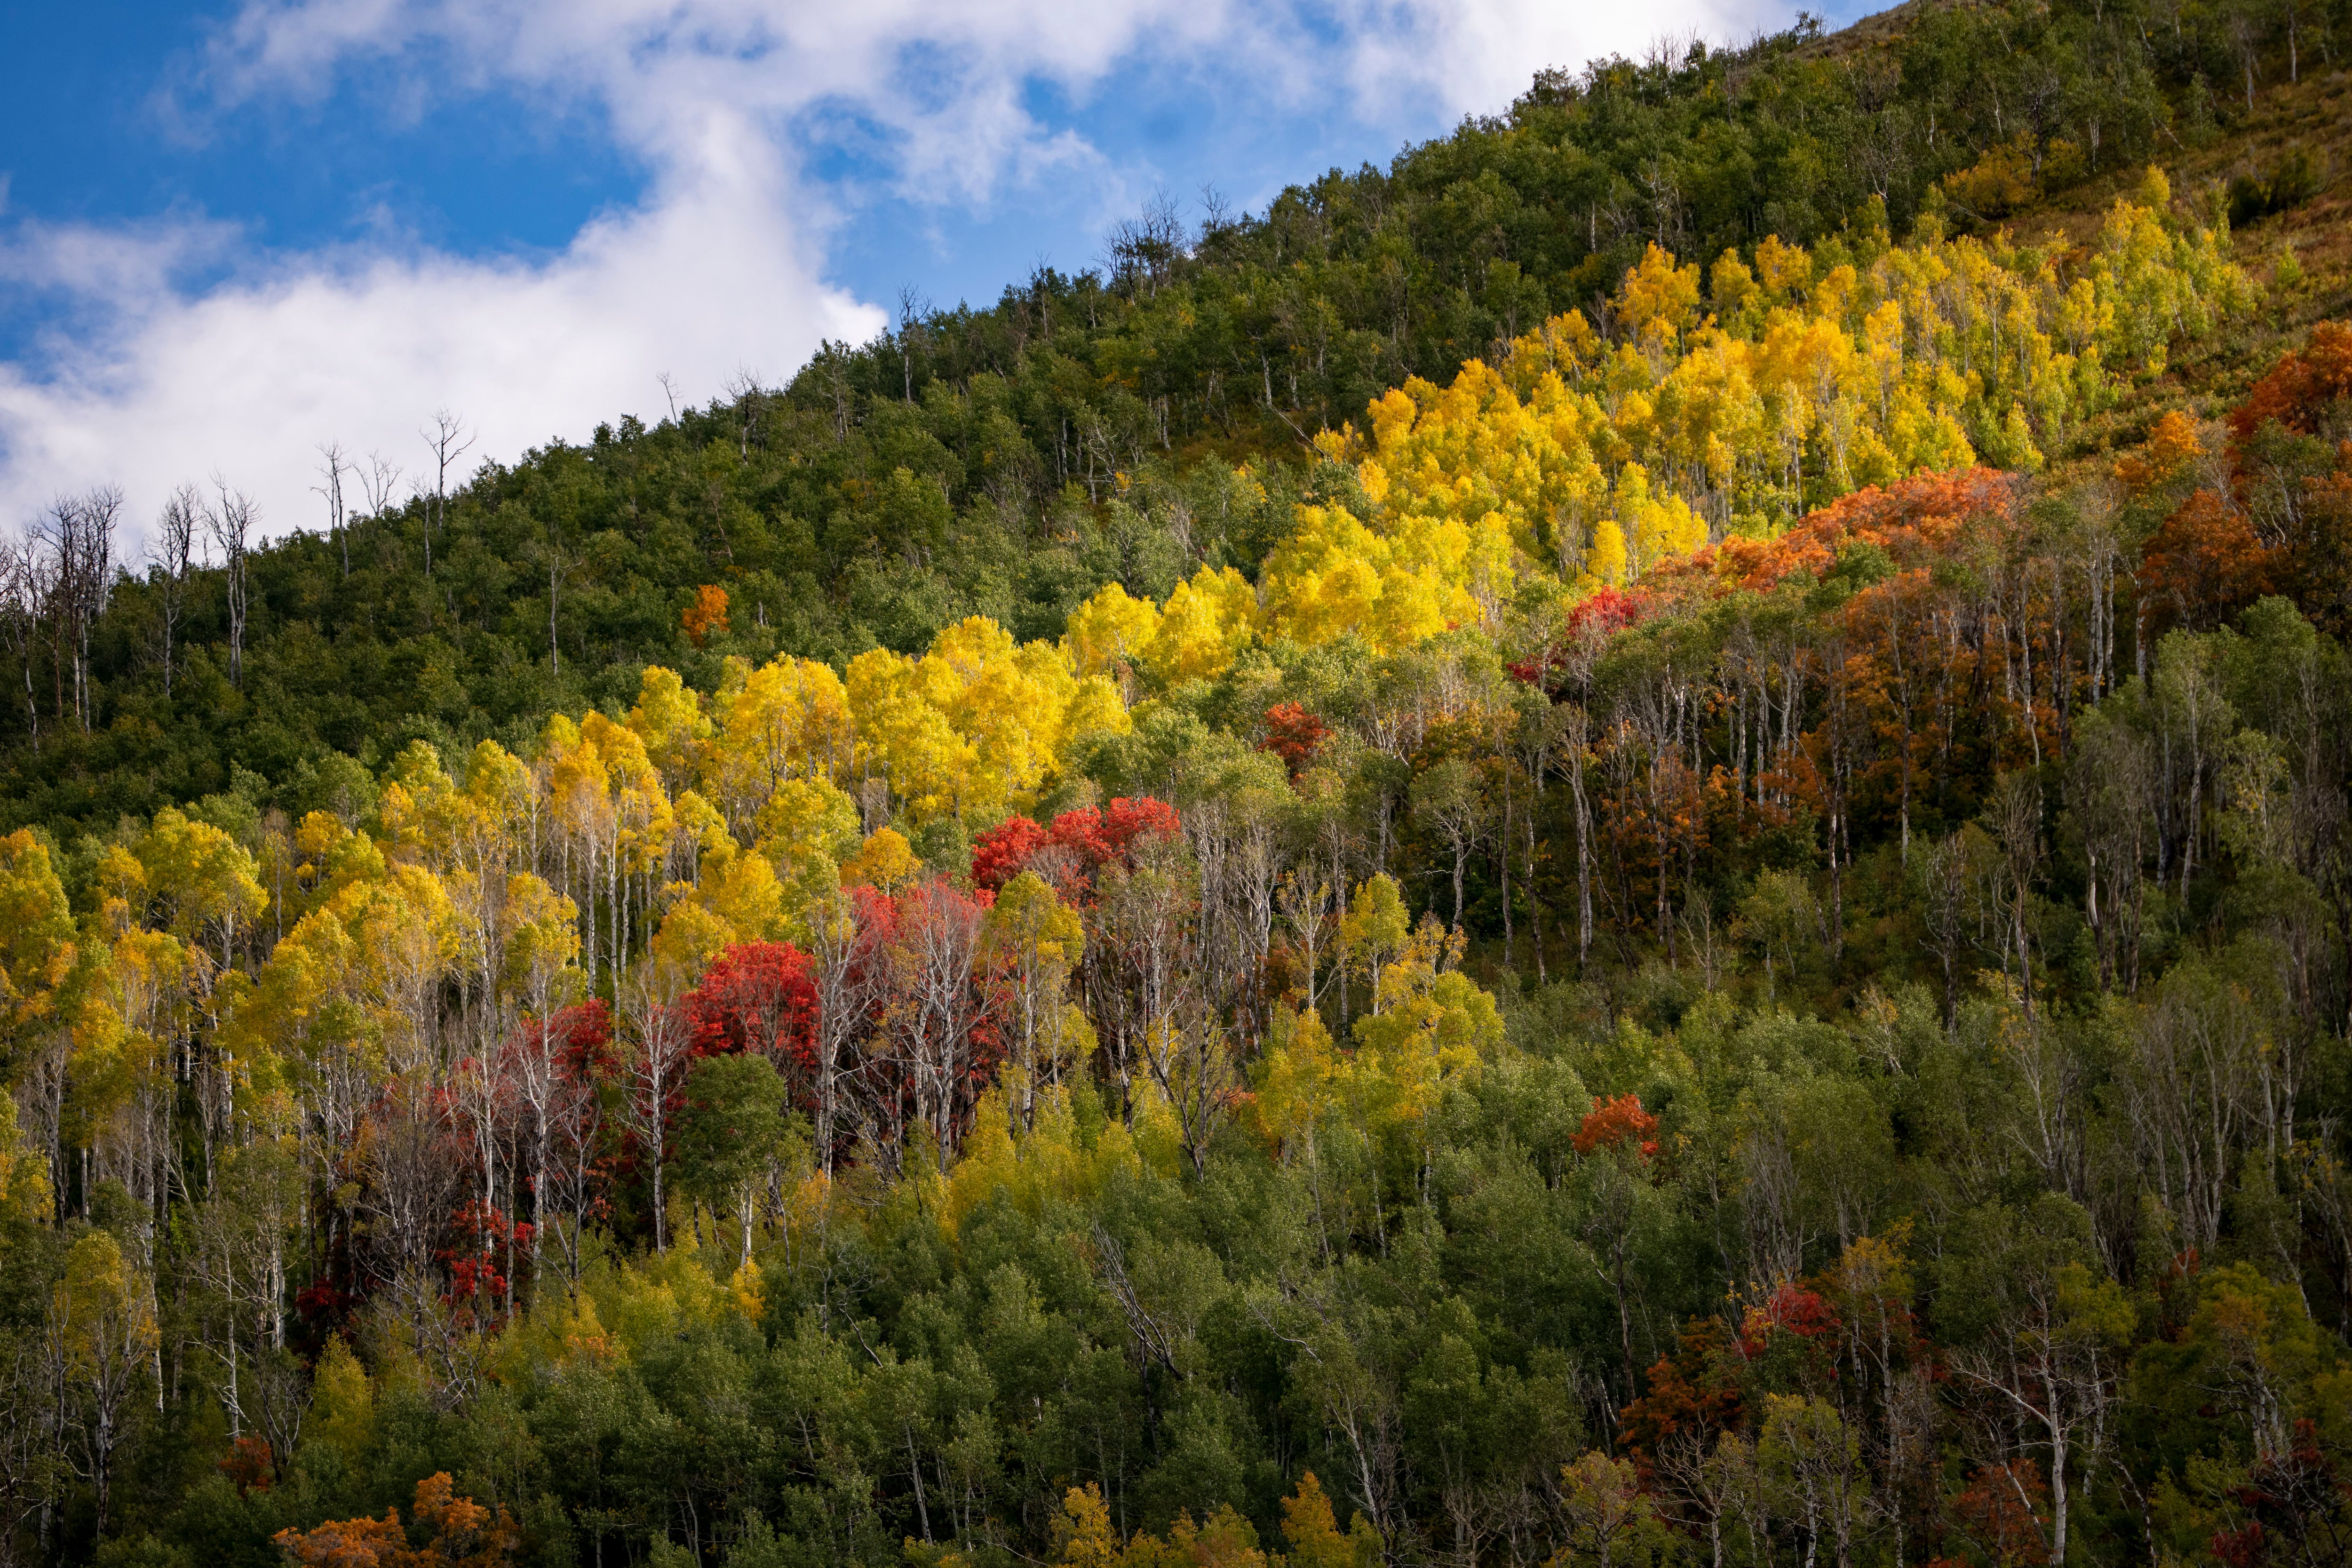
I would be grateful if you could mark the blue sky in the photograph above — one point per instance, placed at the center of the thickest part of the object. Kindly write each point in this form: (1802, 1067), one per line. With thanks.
(233, 231)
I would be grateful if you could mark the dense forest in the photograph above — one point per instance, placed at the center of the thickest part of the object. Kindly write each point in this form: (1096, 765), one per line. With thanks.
(1625, 847)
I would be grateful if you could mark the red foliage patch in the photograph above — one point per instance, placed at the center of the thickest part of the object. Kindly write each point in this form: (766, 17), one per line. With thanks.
(758, 998)
(2000, 1509)
(1791, 1309)
(1078, 844)
(250, 1465)
(1614, 1121)
(1293, 734)
(582, 1037)
(482, 1239)
(1607, 610)
(1598, 616)
(1004, 851)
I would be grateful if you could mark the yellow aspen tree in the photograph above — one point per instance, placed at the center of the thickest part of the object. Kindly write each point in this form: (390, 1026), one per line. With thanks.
(903, 738)
(36, 932)
(885, 861)
(668, 720)
(786, 721)
(1033, 942)
(1207, 620)
(204, 880)
(1109, 630)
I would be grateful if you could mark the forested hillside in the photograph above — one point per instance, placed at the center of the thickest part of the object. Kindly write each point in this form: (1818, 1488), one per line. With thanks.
(1624, 847)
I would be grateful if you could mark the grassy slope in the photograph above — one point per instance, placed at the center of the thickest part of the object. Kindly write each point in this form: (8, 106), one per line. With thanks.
(2209, 376)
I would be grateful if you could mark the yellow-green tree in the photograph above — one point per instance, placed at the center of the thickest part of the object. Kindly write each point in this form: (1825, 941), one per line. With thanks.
(102, 1334)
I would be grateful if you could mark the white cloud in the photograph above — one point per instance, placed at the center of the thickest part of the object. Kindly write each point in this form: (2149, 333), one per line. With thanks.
(246, 378)
(150, 378)
(1475, 57)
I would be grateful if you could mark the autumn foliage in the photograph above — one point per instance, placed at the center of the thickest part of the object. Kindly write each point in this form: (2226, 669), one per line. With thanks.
(756, 998)
(1292, 733)
(707, 616)
(1617, 1123)
(1076, 844)
(1787, 752)
(2205, 561)
(460, 1533)
(2299, 389)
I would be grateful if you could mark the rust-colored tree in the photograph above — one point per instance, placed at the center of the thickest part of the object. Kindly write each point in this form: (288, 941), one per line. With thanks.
(461, 1533)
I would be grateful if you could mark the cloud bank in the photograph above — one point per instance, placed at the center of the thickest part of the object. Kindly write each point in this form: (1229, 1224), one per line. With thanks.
(178, 349)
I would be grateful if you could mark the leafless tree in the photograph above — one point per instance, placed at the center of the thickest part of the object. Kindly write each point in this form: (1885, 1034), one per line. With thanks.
(449, 440)
(560, 566)
(78, 532)
(1145, 249)
(2108, 780)
(1943, 873)
(2190, 1088)
(102, 514)
(170, 553)
(1236, 854)
(848, 973)
(1216, 213)
(334, 465)
(24, 592)
(2245, 37)
(31, 1447)
(912, 307)
(574, 1119)
(1137, 969)
(749, 401)
(1311, 915)
(483, 1098)
(377, 482)
(1446, 800)
(238, 1266)
(532, 1061)
(230, 523)
(2050, 1371)
(413, 1179)
(2015, 817)
(938, 1006)
(653, 1066)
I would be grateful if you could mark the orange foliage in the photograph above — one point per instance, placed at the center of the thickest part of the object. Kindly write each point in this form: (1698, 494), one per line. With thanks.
(465, 1536)
(2171, 446)
(707, 615)
(2301, 384)
(1914, 522)
(1293, 734)
(2205, 561)
(1696, 1391)
(1616, 1122)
